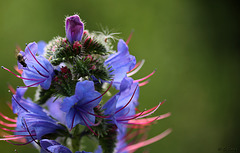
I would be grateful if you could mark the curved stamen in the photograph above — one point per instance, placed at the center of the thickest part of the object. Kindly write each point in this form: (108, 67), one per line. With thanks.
(40, 72)
(13, 138)
(93, 124)
(19, 103)
(19, 144)
(133, 117)
(152, 110)
(5, 129)
(37, 60)
(147, 142)
(30, 133)
(100, 95)
(128, 101)
(129, 37)
(136, 68)
(20, 76)
(88, 125)
(144, 78)
(148, 120)
(7, 125)
(143, 83)
(7, 118)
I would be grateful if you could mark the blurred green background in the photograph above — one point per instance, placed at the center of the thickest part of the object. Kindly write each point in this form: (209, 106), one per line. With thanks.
(193, 44)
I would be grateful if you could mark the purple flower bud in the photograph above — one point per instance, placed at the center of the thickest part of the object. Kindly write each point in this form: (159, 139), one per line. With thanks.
(74, 28)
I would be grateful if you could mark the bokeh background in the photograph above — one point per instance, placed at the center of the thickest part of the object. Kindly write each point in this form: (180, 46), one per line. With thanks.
(193, 44)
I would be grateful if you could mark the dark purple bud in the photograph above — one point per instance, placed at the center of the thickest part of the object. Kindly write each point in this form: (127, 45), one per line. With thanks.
(74, 28)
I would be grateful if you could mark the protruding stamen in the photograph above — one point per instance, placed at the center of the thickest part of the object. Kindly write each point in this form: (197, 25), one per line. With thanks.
(19, 76)
(147, 142)
(128, 101)
(143, 83)
(7, 124)
(7, 118)
(19, 144)
(146, 77)
(129, 37)
(152, 110)
(136, 68)
(148, 120)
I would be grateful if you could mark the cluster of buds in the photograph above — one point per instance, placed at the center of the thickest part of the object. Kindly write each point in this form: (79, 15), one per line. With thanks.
(76, 77)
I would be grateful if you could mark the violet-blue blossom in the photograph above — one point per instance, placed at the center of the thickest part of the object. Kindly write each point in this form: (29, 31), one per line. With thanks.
(39, 70)
(79, 107)
(74, 28)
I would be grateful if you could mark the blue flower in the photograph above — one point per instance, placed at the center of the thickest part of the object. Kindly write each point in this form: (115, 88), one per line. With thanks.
(55, 147)
(120, 63)
(79, 107)
(38, 71)
(74, 28)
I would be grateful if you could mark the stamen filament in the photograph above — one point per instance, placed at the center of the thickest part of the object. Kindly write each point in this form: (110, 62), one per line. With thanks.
(7, 118)
(146, 77)
(128, 101)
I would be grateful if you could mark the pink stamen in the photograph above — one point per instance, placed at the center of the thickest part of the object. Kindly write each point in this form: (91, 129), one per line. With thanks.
(37, 60)
(20, 76)
(132, 117)
(146, 77)
(129, 38)
(13, 138)
(143, 83)
(5, 129)
(101, 94)
(128, 101)
(136, 68)
(147, 142)
(7, 118)
(152, 110)
(148, 120)
(88, 125)
(7, 125)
